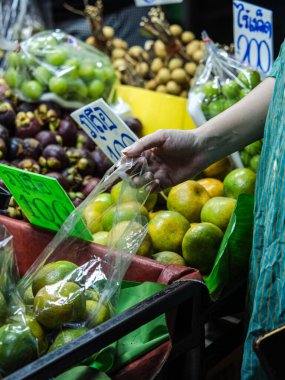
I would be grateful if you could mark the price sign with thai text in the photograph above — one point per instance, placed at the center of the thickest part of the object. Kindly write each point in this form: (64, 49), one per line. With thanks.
(145, 3)
(42, 199)
(253, 35)
(105, 128)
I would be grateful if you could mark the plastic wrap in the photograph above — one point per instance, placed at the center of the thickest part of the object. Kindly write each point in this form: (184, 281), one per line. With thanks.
(19, 342)
(54, 66)
(74, 284)
(219, 83)
(19, 19)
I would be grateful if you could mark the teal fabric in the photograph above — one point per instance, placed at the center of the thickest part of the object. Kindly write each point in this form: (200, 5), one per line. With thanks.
(267, 267)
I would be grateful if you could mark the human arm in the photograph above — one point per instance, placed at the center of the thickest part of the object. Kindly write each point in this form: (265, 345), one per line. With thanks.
(176, 155)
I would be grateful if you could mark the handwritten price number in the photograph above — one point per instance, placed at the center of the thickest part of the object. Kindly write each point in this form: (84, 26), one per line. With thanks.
(253, 49)
(49, 210)
(99, 124)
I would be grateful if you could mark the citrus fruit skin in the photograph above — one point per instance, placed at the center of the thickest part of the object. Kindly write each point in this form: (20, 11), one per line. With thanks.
(38, 332)
(94, 316)
(239, 181)
(130, 232)
(219, 169)
(91, 295)
(18, 347)
(66, 336)
(188, 198)
(218, 211)
(124, 211)
(168, 257)
(3, 308)
(28, 296)
(59, 303)
(100, 204)
(51, 273)
(213, 186)
(101, 237)
(200, 246)
(167, 230)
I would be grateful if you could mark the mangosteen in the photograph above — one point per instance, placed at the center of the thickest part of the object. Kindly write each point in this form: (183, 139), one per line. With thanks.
(7, 115)
(61, 179)
(3, 149)
(68, 132)
(76, 197)
(27, 125)
(54, 157)
(84, 142)
(32, 148)
(102, 162)
(73, 177)
(134, 124)
(89, 184)
(4, 133)
(82, 159)
(30, 165)
(48, 113)
(15, 148)
(46, 138)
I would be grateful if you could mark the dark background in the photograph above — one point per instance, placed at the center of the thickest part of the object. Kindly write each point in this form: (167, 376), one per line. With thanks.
(215, 16)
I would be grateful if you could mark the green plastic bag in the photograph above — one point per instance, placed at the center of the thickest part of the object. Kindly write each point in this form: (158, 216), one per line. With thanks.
(231, 264)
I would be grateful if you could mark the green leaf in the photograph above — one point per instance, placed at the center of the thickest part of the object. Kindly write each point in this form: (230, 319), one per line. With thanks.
(231, 264)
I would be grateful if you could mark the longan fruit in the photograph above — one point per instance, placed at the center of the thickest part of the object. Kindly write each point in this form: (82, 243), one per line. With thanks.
(118, 63)
(184, 94)
(187, 37)
(119, 43)
(190, 68)
(198, 55)
(150, 85)
(192, 47)
(142, 69)
(175, 63)
(173, 88)
(179, 75)
(160, 49)
(90, 41)
(118, 53)
(163, 75)
(175, 30)
(135, 51)
(108, 32)
(161, 88)
(156, 65)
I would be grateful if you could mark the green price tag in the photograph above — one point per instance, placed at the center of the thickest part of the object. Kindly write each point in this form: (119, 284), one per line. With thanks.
(42, 199)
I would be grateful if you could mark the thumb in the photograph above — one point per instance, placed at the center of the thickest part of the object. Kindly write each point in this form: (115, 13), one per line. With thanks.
(153, 140)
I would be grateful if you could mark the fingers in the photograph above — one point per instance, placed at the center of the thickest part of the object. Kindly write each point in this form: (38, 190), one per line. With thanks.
(153, 140)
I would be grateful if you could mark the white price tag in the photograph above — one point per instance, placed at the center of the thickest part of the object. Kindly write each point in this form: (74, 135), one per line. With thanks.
(149, 3)
(253, 35)
(105, 128)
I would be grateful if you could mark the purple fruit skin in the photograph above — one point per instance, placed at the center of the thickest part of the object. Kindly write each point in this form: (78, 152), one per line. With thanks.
(46, 138)
(68, 131)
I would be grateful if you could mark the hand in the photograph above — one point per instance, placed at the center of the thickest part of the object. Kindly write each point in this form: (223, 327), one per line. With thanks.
(173, 156)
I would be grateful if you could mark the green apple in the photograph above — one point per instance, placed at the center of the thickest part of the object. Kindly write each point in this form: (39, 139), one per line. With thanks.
(32, 89)
(58, 85)
(96, 89)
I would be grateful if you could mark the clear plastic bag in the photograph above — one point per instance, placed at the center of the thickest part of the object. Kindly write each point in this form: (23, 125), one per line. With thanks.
(220, 82)
(54, 66)
(74, 284)
(19, 19)
(19, 333)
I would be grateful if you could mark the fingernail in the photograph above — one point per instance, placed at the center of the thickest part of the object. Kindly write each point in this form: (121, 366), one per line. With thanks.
(126, 150)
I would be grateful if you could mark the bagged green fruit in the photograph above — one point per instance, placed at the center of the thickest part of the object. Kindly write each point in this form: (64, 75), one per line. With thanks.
(54, 66)
(220, 82)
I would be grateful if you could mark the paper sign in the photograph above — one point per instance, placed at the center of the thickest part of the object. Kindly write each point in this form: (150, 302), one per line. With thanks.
(145, 3)
(253, 35)
(42, 199)
(105, 128)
